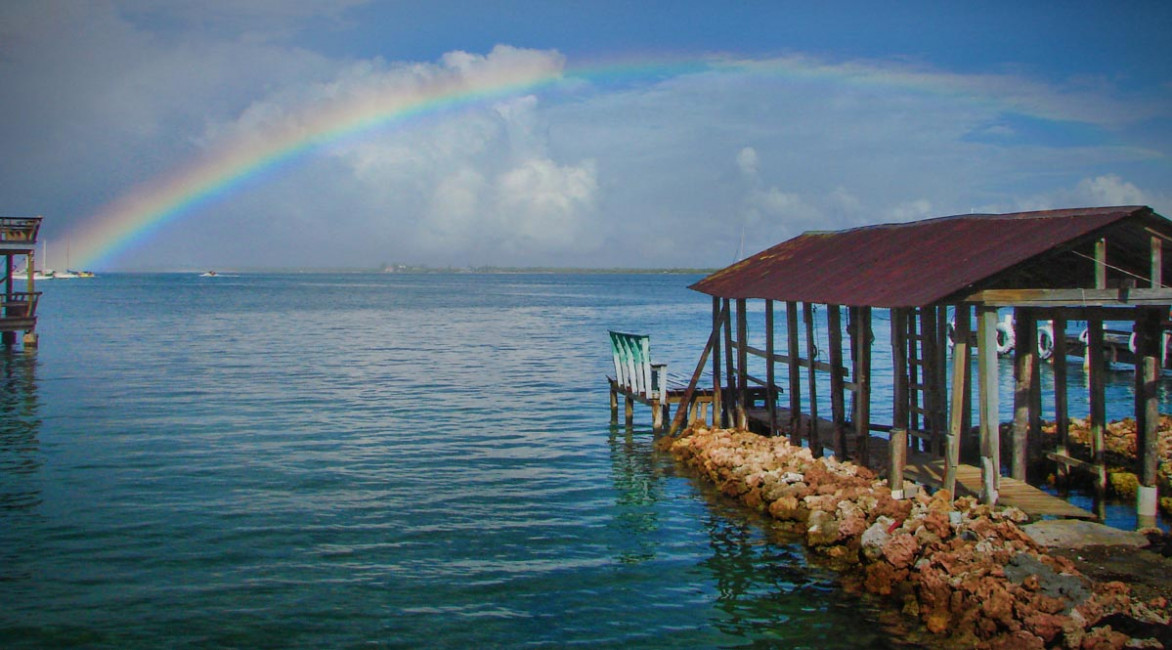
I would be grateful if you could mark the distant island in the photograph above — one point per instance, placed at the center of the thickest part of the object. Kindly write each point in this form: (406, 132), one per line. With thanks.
(414, 268)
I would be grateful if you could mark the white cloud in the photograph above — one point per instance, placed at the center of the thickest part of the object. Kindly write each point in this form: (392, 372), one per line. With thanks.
(1110, 190)
(1104, 190)
(747, 161)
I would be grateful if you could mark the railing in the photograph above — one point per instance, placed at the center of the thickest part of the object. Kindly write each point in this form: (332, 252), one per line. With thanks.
(19, 305)
(19, 229)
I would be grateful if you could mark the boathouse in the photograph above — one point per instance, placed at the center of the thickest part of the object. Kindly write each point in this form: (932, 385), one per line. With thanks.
(942, 283)
(18, 312)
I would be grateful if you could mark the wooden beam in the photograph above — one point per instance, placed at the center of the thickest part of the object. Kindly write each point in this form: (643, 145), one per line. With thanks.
(1098, 297)
(1157, 271)
(1101, 264)
(1061, 417)
(942, 423)
(837, 390)
(900, 414)
(1024, 352)
(770, 373)
(795, 373)
(742, 363)
(861, 340)
(1147, 415)
(717, 319)
(1098, 410)
(987, 380)
(728, 417)
(960, 390)
(812, 381)
(801, 363)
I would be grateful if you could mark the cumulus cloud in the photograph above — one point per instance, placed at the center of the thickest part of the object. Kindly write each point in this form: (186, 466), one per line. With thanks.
(1103, 190)
(1110, 190)
(747, 161)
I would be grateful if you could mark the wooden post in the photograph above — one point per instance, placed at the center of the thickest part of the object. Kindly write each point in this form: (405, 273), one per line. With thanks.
(1101, 264)
(941, 420)
(795, 376)
(837, 388)
(717, 321)
(1024, 352)
(900, 413)
(812, 379)
(742, 366)
(1098, 409)
(987, 380)
(770, 371)
(730, 377)
(861, 342)
(1157, 272)
(1061, 418)
(7, 338)
(614, 404)
(1147, 415)
(960, 389)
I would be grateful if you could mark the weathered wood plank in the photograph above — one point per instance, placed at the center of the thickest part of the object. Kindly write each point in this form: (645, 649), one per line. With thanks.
(812, 381)
(988, 407)
(1071, 297)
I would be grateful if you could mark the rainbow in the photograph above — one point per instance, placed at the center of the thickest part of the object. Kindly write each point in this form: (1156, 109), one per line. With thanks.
(133, 217)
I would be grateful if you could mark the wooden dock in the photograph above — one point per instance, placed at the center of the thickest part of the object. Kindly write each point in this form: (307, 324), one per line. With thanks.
(928, 470)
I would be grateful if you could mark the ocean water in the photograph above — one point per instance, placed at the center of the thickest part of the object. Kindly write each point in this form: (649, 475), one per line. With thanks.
(350, 460)
(372, 461)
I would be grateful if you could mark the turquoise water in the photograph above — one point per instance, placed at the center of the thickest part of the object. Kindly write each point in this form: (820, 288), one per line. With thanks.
(372, 460)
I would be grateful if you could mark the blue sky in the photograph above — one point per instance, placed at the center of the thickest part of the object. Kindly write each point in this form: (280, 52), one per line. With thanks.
(837, 114)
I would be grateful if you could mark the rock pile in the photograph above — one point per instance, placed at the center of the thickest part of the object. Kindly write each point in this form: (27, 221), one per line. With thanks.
(965, 570)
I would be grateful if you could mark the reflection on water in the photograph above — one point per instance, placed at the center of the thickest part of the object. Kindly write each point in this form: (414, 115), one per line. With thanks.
(764, 592)
(19, 424)
(20, 454)
(637, 486)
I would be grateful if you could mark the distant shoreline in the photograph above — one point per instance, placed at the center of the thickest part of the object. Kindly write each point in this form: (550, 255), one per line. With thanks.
(423, 270)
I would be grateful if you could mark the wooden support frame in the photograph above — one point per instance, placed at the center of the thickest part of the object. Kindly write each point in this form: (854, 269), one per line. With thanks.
(1098, 410)
(742, 412)
(1025, 375)
(861, 339)
(837, 387)
(1061, 412)
(729, 415)
(813, 435)
(988, 409)
(898, 434)
(713, 345)
(961, 373)
(770, 368)
(795, 373)
(718, 315)
(1147, 415)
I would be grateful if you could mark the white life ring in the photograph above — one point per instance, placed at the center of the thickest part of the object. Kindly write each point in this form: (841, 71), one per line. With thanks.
(1046, 341)
(951, 334)
(1005, 338)
(1084, 336)
(1131, 343)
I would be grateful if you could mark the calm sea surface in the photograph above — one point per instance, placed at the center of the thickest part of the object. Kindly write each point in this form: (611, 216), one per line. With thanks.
(374, 460)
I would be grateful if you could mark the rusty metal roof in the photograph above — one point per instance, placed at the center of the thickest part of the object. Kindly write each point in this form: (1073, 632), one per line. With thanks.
(912, 264)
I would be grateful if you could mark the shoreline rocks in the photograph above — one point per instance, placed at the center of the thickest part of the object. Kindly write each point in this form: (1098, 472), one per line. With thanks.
(966, 571)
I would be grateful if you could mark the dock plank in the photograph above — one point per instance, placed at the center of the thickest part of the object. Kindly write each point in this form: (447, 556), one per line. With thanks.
(1012, 492)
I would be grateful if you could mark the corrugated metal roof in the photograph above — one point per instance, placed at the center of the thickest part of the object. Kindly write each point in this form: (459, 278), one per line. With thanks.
(906, 264)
